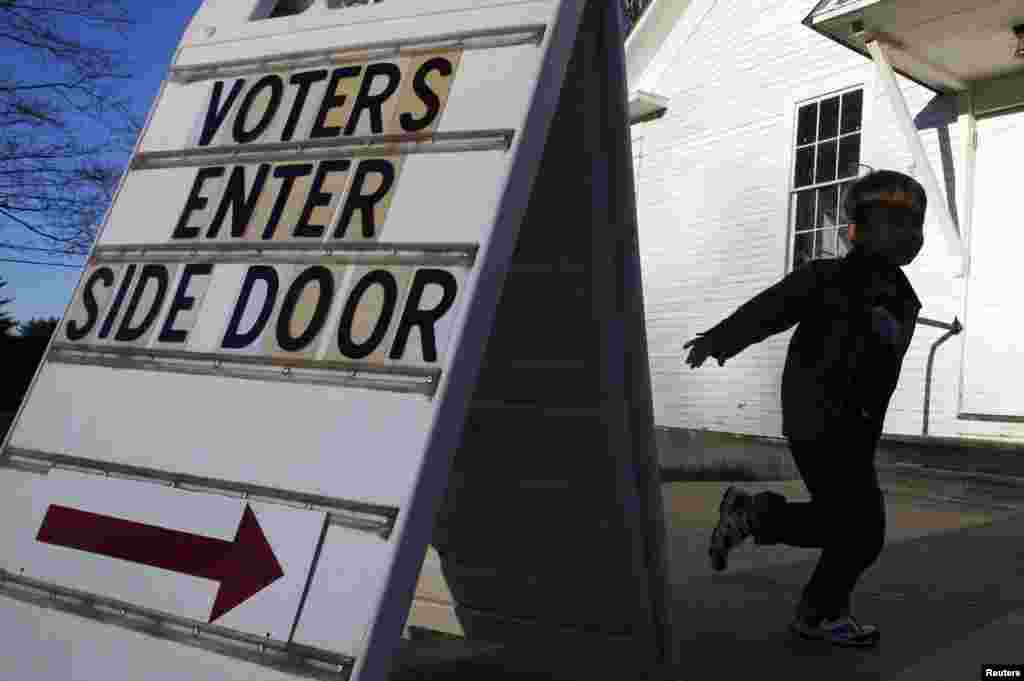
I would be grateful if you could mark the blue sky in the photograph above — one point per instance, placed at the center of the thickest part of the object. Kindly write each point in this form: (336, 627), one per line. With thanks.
(40, 291)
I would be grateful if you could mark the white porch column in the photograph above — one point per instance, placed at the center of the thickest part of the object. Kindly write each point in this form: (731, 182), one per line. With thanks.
(899, 104)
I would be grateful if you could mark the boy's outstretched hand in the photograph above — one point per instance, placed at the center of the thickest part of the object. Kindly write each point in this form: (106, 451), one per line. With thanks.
(700, 351)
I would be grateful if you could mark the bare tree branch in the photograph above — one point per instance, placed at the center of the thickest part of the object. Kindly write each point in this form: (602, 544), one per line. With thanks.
(53, 185)
(51, 251)
(20, 261)
(65, 128)
(29, 227)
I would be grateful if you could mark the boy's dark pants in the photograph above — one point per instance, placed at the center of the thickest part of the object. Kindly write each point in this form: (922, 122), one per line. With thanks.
(845, 517)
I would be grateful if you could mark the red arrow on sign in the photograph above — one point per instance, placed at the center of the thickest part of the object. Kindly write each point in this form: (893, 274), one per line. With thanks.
(243, 567)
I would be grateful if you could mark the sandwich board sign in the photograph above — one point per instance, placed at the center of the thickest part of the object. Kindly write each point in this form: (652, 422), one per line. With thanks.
(230, 459)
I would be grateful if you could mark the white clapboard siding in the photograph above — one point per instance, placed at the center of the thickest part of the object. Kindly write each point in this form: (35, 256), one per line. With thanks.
(712, 203)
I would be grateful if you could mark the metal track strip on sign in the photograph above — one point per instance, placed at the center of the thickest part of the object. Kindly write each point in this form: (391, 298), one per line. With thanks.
(994, 418)
(226, 257)
(373, 519)
(388, 377)
(336, 251)
(290, 657)
(337, 147)
(505, 36)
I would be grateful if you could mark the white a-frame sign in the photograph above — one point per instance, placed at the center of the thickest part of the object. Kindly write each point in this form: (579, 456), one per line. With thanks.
(230, 462)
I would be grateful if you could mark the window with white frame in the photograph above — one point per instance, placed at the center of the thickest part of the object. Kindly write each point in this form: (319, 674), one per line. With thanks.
(826, 159)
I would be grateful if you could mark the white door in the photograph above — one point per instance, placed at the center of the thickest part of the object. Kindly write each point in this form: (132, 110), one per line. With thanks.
(993, 368)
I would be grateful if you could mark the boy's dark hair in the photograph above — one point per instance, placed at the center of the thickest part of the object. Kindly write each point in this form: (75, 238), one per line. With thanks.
(883, 186)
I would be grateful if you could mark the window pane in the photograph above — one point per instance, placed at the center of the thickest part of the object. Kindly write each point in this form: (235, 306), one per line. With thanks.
(842, 243)
(853, 107)
(849, 155)
(807, 124)
(826, 167)
(828, 198)
(843, 219)
(804, 167)
(825, 244)
(829, 118)
(804, 214)
(803, 249)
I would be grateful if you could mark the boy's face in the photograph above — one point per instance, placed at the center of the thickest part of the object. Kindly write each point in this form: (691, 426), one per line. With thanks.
(892, 229)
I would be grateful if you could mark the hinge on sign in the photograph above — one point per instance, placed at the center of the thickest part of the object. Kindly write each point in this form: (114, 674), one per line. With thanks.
(974, 141)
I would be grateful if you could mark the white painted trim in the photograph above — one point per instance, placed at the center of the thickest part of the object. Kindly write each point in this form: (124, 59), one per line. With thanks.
(963, 414)
(648, 37)
(969, 124)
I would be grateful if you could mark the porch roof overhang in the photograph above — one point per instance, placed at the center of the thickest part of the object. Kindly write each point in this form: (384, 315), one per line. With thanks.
(944, 45)
(941, 44)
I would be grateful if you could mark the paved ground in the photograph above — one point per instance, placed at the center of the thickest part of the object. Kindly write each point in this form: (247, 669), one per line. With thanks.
(948, 593)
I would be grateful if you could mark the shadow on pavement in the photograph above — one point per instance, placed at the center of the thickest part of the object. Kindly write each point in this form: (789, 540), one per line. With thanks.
(926, 594)
(929, 594)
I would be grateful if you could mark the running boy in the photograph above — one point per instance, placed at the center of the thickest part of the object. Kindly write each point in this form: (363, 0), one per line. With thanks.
(855, 317)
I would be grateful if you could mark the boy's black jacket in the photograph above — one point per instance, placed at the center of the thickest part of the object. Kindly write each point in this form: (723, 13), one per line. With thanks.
(838, 373)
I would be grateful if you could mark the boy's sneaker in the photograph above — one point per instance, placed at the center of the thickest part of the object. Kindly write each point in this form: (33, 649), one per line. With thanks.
(843, 631)
(734, 525)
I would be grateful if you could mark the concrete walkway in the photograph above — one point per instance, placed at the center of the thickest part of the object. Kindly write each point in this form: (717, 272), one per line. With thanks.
(947, 592)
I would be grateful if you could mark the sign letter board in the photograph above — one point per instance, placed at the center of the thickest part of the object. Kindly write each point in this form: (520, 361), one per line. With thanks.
(247, 418)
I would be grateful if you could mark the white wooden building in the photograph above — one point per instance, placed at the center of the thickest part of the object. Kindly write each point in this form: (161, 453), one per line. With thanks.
(748, 118)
